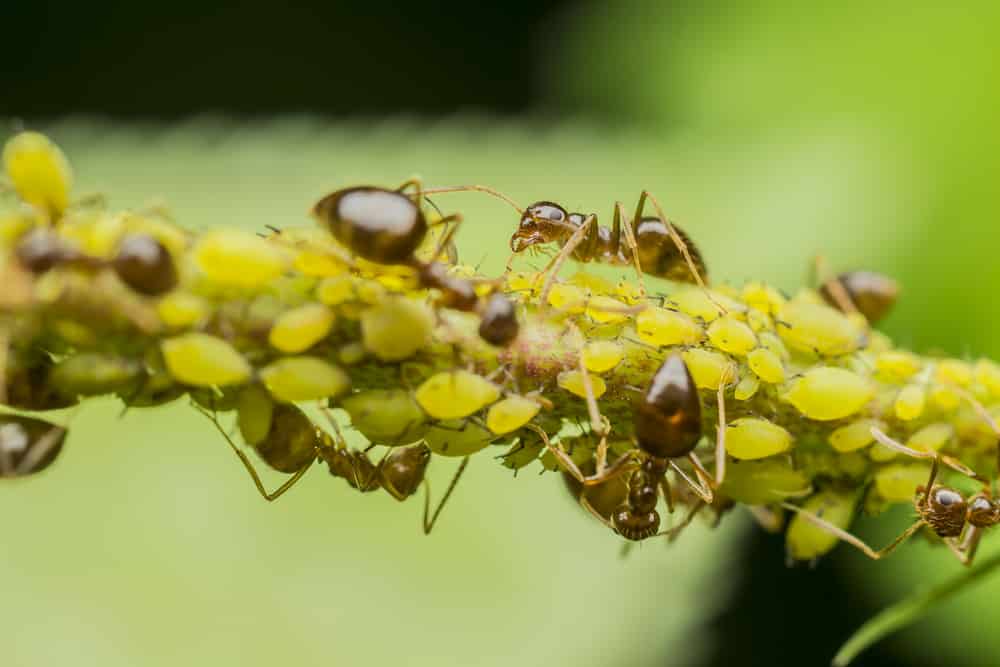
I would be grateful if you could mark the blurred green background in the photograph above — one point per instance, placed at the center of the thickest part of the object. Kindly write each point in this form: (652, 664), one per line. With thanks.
(771, 130)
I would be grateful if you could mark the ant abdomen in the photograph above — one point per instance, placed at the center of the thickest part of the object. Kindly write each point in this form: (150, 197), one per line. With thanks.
(659, 256)
(667, 416)
(383, 226)
(291, 442)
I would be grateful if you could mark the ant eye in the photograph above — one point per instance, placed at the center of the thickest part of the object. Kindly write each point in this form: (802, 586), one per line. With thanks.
(547, 211)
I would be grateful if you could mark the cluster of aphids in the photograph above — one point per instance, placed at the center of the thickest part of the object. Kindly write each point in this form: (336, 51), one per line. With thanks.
(651, 394)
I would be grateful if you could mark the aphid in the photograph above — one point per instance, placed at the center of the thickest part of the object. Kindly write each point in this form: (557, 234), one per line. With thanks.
(668, 426)
(293, 443)
(28, 445)
(652, 245)
(387, 226)
(957, 520)
(866, 292)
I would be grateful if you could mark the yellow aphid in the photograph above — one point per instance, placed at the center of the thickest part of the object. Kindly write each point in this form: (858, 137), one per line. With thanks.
(910, 402)
(897, 483)
(318, 264)
(386, 416)
(753, 438)
(300, 328)
(827, 393)
(932, 437)
(254, 412)
(455, 394)
(817, 328)
(659, 326)
(202, 360)
(511, 414)
(896, 366)
(804, 539)
(568, 298)
(39, 172)
(336, 290)
(591, 283)
(572, 381)
(731, 335)
(696, 303)
(304, 379)
(763, 298)
(771, 341)
(987, 374)
(764, 482)
(604, 309)
(351, 353)
(235, 258)
(524, 282)
(600, 356)
(460, 437)
(396, 328)
(746, 388)
(628, 292)
(709, 368)
(944, 397)
(854, 436)
(181, 310)
(767, 365)
(952, 371)
(879, 453)
(759, 321)
(369, 291)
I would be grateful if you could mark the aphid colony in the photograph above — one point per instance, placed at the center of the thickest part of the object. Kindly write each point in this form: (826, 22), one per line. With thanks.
(633, 390)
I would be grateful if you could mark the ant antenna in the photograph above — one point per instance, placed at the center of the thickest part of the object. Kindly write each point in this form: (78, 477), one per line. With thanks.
(475, 188)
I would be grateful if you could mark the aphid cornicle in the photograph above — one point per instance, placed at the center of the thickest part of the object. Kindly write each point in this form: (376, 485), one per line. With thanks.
(387, 226)
(28, 445)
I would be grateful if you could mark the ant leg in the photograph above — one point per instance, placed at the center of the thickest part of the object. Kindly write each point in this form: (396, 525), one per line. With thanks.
(720, 432)
(619, 229)
(673, 533)
(564, 253)
(854, 540)
(429, 525)
(4, 354)
(702, 487)
(585, 504)
(268, 496)
(822, 276)
(983, 414)
(668, 495)
(610, 472)
(952, 463)
(766, 518)
(965, 551)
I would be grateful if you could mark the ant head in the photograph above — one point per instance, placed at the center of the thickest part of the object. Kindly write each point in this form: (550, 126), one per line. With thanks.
(541, 222)
(945, 511)
(636, 525)
(983, 512)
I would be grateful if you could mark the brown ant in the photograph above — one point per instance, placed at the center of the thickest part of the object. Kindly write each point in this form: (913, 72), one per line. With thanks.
(652, 245)
(668, 426)
(866, 292)
(957, 520)
(386, 226)
(294, 443)
(28, 445)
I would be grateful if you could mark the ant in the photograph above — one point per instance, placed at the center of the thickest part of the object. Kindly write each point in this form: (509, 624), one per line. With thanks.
(668, 426)
(866, 292)
(957, 520)
(650, 244)
(387, 226)
(294, 443)
(28, 445)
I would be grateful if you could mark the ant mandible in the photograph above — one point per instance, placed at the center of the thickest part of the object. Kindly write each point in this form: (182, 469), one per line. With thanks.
(387, 226)
(651, 244)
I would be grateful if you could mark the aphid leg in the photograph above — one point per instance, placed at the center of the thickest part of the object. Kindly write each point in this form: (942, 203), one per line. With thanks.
(268, 496)
(39, 451)
(952, 463)
(567, 463)
(822, 276)
(429, 525)
(621, 226)
(559, 259)
(854, 540)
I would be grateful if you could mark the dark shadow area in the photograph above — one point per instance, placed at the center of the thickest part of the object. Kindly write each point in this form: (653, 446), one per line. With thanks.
(168, 60)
